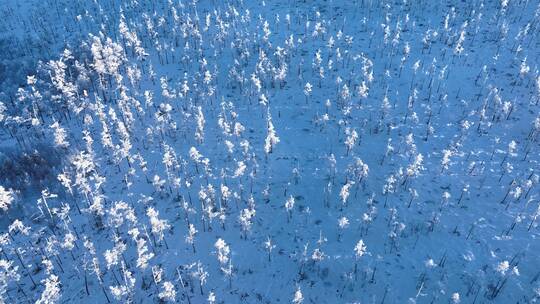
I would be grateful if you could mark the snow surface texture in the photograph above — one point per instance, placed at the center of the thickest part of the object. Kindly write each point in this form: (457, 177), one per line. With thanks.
(280, 152)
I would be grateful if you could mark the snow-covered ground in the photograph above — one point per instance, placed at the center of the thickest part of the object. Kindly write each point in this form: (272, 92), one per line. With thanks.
(271, 152)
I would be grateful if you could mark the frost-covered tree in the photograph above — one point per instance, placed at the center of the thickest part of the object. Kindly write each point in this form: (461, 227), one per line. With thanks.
(289, 205)
(60, 137)
(414, 168)
(345, 192)
(223, 251)
(108, 56)
(159, 226)
(200, 274)
(211, 298)
(359, 170)
(271, 138)
(190, 238)
(445, 163)
(269, 246)
(199, 133)
(8, 274)
(245, 219)
(124, 291)
(360, 249)
(307, 91)
(143, 254)
(352, 137)
(6, 198)
(298, 297)
(458, 49)
(343, 223)
(455, 298)
(168, 292)
(51, 294)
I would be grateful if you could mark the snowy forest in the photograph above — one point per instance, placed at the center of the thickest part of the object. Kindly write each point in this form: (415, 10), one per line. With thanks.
(270, 151)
